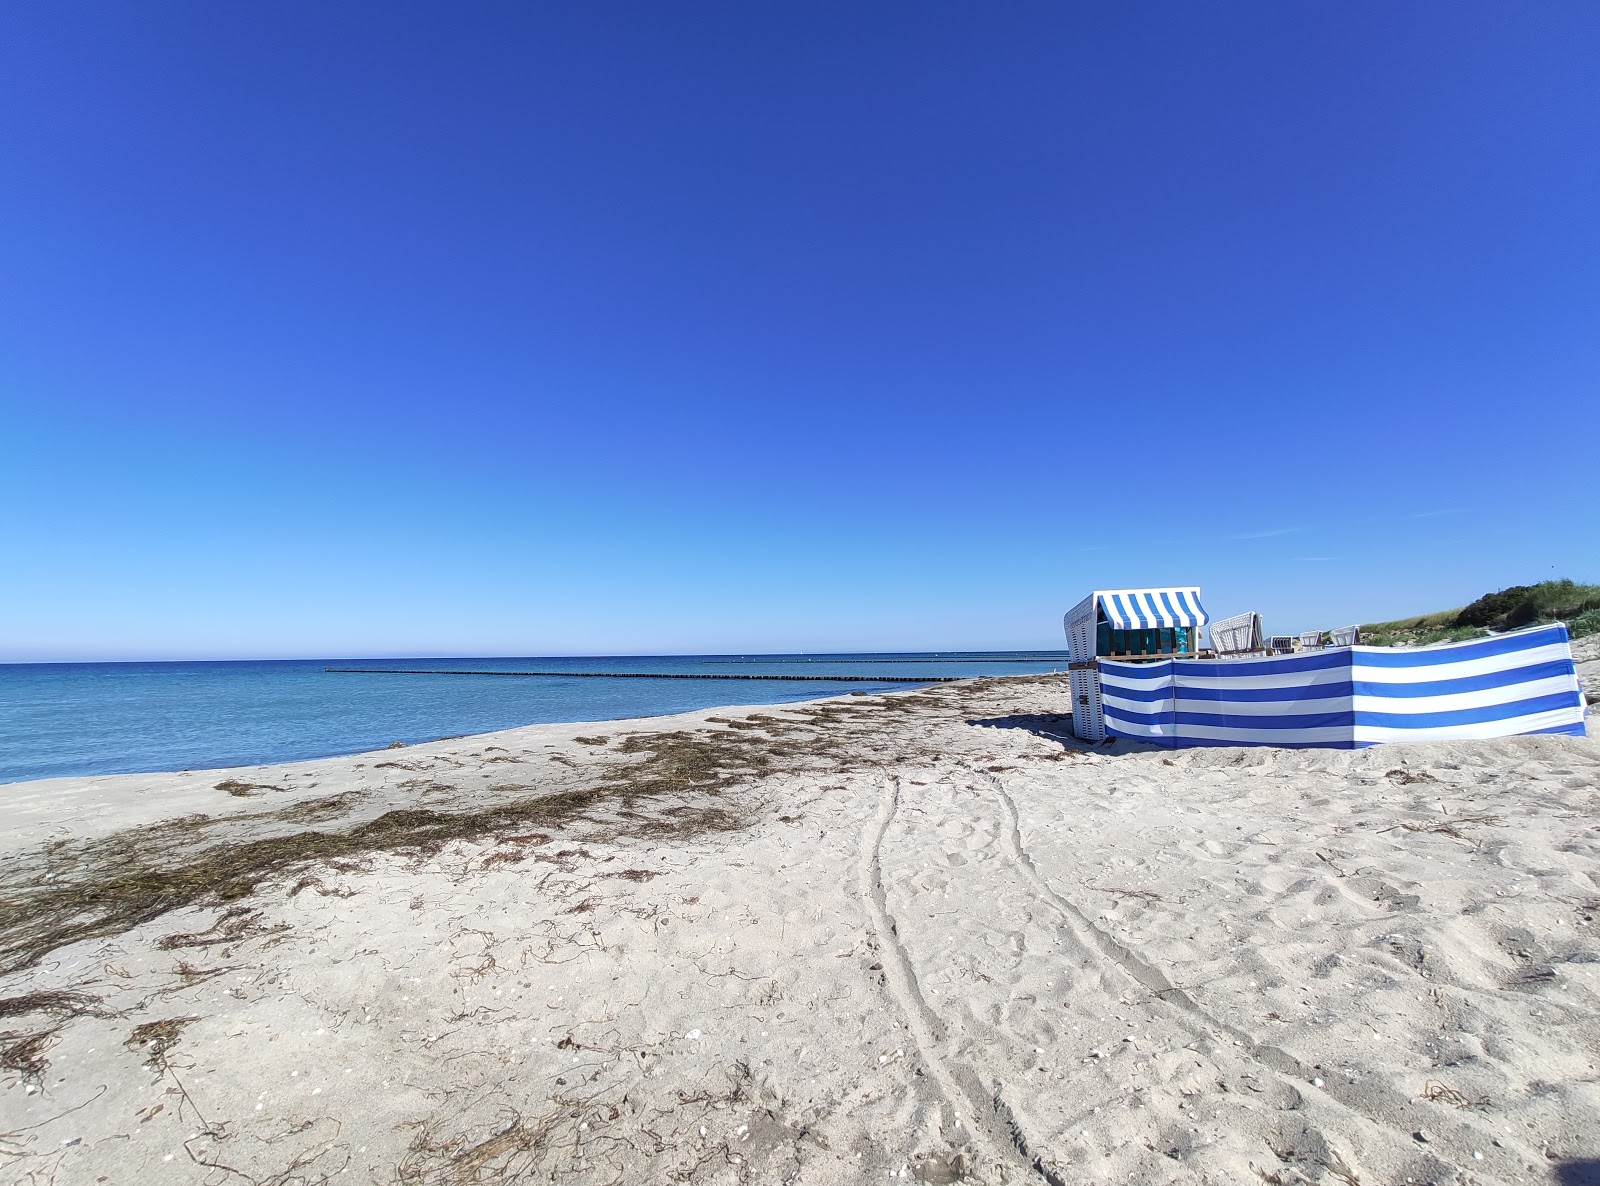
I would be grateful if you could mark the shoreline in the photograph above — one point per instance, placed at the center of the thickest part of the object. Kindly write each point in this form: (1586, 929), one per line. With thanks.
(42, 798)
(923, 934)
(237, 716)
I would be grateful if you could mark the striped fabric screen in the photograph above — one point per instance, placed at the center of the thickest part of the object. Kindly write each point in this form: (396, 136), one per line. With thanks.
(1493, 687)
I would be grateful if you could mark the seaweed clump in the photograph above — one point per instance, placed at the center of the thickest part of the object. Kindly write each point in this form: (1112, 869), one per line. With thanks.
(155, 1038)
(24, 1052)
(245, 790)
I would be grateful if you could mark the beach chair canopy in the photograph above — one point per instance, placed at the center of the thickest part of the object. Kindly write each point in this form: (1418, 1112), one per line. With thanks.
(1346, 636)
(1152, 609)
(1281, 644)
(1311, 640)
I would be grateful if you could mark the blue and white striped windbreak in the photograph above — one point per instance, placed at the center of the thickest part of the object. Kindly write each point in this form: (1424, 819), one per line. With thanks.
(1150, 609)
(1358, 696)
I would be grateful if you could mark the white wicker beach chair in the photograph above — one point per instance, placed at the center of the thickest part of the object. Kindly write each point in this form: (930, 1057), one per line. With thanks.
(1281, 644)
(1346, 636)
(1311, 640)
(1238, 635)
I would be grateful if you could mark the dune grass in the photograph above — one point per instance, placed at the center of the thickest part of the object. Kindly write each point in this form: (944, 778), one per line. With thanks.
(1511, 608)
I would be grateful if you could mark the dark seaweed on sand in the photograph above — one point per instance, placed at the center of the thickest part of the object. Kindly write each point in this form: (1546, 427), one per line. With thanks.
(661, 784)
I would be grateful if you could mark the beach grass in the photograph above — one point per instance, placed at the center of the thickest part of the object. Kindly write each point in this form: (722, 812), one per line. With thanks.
(1511, 608)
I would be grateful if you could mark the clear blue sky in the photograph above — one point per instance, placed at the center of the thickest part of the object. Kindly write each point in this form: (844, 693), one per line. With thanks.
(341, 329)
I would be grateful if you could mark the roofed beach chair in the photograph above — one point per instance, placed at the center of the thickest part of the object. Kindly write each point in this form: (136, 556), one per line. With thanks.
(1311, 640)
(1346, 636)
(1238, 635)
(1281, 644)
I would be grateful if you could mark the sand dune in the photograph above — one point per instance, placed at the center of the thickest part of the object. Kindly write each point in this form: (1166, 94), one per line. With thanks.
(924, 937)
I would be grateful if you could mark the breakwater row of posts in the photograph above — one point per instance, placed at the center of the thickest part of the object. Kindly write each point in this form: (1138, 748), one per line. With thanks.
(815, 679)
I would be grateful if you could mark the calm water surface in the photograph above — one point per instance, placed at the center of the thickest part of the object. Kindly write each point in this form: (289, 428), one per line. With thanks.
(61, 719)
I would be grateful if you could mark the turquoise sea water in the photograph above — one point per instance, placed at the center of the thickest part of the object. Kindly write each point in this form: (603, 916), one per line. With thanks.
(60, 719)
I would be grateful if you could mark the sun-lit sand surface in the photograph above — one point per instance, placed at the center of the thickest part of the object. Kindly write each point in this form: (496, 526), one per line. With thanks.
(924, 936)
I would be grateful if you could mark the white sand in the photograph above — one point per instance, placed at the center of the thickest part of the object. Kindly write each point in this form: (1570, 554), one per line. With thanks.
(948, 942)
(1587, 652)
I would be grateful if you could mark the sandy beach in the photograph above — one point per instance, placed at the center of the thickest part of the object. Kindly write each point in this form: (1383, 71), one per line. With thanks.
(924, 936)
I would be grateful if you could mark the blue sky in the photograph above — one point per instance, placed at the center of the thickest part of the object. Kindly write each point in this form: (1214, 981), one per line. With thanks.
(529, 329)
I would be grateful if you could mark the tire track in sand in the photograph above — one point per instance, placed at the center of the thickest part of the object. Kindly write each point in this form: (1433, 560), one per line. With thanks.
(990, 1118)
(1396, 1114)
(1092, 940)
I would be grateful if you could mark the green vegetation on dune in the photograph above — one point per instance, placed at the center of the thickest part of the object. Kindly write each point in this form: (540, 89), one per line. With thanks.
(1509, 609)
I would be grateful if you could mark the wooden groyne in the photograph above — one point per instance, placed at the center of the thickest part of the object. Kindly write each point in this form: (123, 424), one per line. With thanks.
(815, 679)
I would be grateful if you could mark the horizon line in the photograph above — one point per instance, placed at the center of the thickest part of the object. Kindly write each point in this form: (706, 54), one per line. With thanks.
(530, 655)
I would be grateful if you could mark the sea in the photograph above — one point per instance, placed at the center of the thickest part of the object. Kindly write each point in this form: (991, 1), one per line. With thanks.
(66, 719)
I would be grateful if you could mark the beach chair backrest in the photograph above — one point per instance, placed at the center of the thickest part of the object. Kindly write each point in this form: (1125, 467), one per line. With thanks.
(1346, 636)
(1282, 644)
(1311, 640)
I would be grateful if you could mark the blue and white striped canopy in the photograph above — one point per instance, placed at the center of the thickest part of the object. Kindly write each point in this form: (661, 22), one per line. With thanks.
(1148, 609)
